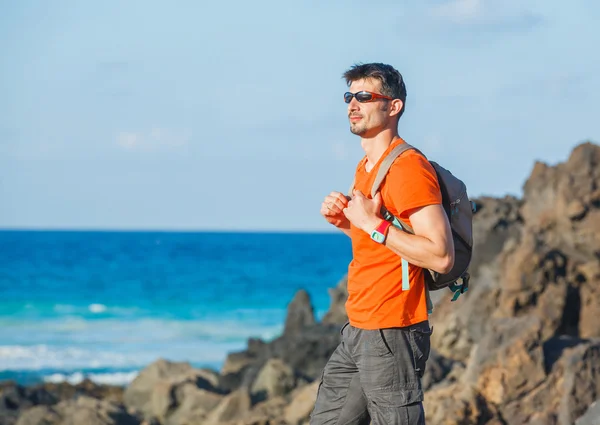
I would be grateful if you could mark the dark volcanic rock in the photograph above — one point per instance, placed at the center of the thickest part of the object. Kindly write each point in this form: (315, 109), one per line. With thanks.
(300, 314)
(164, 388)
(83, 410)
(337, 310)
(438, 367)
(306, 352)
(521, 347)
(14, 399)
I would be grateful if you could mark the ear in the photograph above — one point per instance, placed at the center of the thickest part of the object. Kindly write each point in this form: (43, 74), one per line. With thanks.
(395, 107)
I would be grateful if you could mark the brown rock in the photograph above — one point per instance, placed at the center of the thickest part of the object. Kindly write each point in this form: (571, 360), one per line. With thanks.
(569, 389)
(303, 402)
(509, 362)
(236, 362)
(337, 311)
(576, 210)
(269, 412)
(581, 382)
(275, 379)
(456, 404)
(15, 399)
(159, 390)
(437, 369)
(497, 228)
(549, 191)
(300, 314)
(84, 410)
(233, 407)
(193, 405)
(589, 325)
(40, 415)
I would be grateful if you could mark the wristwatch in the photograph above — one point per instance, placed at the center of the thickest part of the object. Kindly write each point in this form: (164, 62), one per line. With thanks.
(380, 232)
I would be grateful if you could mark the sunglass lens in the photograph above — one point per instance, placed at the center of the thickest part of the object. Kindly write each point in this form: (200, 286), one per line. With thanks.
(348, 97)
(363, 96)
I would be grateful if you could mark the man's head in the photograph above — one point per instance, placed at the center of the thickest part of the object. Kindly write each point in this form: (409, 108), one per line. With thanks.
(384, 107)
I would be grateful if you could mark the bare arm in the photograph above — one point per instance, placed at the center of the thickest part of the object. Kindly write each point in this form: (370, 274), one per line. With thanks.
(345, 229)
(431, 246)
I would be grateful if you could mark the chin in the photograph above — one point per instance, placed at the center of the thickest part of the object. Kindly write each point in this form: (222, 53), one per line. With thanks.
(357, 130)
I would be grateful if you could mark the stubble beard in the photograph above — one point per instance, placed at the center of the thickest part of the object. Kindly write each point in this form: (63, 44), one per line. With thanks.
(358, 128)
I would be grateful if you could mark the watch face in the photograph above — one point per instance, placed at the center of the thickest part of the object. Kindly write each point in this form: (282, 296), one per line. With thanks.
(377, 237)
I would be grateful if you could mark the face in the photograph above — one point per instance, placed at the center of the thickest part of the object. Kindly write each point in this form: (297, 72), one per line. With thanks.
(369, 118)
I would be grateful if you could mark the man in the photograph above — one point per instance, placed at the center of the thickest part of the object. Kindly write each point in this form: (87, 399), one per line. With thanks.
(375, 373)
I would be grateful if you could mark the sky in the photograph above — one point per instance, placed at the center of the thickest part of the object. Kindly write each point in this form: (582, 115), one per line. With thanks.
(229, 115)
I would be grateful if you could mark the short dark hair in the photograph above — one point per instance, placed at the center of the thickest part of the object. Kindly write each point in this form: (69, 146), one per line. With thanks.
(392, 83)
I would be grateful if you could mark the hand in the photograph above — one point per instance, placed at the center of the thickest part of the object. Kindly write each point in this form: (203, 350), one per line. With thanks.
(332, 209)
(363, 212)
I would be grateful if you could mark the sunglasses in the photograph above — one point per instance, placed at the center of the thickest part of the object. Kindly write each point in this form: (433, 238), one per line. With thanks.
(364, 96)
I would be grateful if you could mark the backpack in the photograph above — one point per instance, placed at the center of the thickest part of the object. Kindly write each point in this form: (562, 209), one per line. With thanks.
(459, 210)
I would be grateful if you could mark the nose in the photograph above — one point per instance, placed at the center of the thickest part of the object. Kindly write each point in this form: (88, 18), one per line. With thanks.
(354, 105)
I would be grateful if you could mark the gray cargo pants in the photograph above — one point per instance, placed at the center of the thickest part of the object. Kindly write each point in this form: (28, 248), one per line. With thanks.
(374, 375)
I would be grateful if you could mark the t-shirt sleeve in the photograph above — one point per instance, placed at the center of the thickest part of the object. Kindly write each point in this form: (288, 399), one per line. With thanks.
(411, 183)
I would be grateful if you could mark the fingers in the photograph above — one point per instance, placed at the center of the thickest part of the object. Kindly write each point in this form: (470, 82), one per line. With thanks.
(335, 202)
(340, 197)
(358, 194)
(330, 208)
(378, 201)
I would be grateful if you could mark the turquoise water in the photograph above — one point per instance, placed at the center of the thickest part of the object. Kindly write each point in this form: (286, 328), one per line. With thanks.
(105, 304)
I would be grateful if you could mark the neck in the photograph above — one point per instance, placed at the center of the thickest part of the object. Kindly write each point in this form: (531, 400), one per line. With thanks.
(375, 146)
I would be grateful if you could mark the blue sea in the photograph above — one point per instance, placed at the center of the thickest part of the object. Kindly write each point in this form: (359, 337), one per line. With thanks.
(103, 305)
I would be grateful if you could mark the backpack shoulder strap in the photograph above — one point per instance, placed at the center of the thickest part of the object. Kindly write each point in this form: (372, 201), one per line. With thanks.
(387, 163)
(383, 170)
(385, 166)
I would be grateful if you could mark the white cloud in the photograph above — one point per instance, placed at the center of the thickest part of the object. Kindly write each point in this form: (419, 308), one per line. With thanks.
(155, 139)
(459, 10)
(128, 140)
(487, 12)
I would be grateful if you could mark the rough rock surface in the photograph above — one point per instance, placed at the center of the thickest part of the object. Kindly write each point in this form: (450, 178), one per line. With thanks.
(300, 314)
(83, 410)
(521, 347)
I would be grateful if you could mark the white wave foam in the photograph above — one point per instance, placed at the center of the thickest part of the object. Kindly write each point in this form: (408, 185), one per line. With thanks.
(76, 343)
(35, 357)
(115, 378)
(115, 331)
(123, 356)
(97, 308)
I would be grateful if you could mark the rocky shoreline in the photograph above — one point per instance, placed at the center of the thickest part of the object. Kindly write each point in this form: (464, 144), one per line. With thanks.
(521, 347)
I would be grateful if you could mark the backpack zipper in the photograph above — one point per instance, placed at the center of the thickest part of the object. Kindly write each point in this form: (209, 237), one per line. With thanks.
(453, 206)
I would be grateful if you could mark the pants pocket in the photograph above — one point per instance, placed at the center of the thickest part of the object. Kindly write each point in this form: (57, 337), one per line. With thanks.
(410, 414)
(385, 345)
(387, 368)
(420, 341)
(344, 327)
(396, 412)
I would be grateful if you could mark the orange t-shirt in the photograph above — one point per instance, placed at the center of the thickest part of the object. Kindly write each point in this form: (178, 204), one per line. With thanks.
(375, 296)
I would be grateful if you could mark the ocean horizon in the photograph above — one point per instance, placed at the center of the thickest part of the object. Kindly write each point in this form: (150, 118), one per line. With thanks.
(103, 304)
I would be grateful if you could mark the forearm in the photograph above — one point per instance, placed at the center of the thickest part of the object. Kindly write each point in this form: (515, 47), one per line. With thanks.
(345, 228)
(420, 251)
(431, 245)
